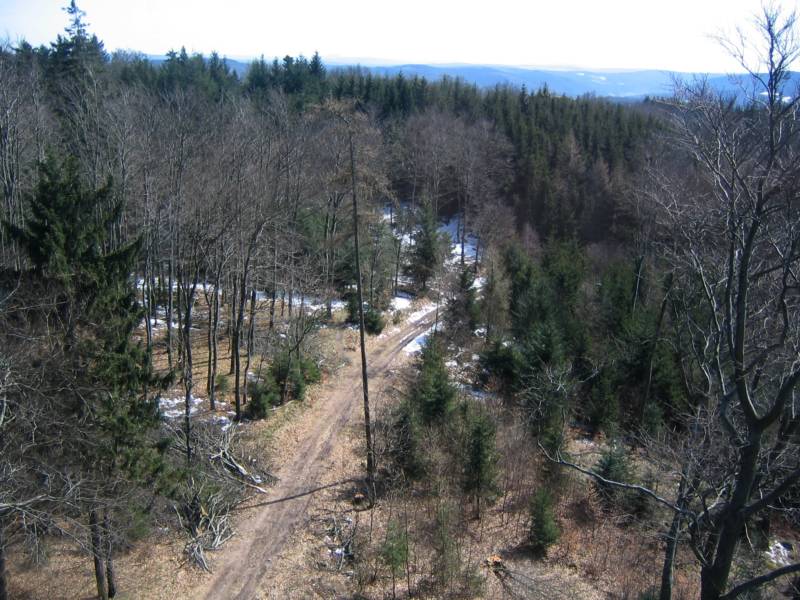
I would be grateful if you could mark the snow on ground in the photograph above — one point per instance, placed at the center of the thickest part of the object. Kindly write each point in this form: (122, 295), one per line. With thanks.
(421, 313)
(318, 304)
(310, 302)
(160, 320)
(452, 228)
(780, 553)
(405, 280)
(401, 301)
(418, 342)
(478, 283)
(223, 421)
(474, 392)
(174, 408)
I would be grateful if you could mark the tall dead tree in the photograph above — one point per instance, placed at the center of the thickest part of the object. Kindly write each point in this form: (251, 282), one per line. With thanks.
(348, 120)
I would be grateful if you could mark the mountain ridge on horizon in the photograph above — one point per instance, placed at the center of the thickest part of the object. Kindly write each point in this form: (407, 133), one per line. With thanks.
(623, 84)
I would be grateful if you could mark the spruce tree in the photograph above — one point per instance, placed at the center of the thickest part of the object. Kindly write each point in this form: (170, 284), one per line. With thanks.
(394, 551)
(480, 459)
(428, 252)
(107, 379)
(434, 395)
(544, 531)
(463, 311)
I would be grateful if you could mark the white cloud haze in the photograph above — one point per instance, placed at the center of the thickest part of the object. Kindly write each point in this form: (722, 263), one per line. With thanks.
(627, 34)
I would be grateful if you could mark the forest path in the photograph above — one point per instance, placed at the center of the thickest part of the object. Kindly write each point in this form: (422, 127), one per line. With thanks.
(246, 560)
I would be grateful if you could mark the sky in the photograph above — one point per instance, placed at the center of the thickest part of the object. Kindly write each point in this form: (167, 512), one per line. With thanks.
(586, 34)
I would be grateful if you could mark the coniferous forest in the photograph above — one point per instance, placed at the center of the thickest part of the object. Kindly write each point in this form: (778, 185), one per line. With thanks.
(501, 343)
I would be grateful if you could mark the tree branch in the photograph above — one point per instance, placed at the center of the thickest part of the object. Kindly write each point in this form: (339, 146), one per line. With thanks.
(626, 486)
(759, 581)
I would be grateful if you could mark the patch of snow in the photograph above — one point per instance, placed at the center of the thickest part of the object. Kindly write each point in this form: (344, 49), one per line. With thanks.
(421, 313)
(174, 408)
(401, 301)
(313, 303)
(480, 332)
(780, 553)
(223, 421)
(587, 443)
(405, 280)
(388, 332)
(160, 320)
(478, 283)
(415, 345)
(453, 229)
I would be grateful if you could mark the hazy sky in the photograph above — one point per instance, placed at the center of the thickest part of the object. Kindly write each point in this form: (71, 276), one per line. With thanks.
(569, 33)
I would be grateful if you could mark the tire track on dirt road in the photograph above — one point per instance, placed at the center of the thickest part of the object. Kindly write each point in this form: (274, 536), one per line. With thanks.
(247, 559)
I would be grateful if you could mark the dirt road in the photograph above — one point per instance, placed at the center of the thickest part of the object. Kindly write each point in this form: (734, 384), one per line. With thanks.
(246, 559)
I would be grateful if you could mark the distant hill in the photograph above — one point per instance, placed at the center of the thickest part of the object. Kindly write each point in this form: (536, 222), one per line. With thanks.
(237, 66)
(621, 85)
(631, 85)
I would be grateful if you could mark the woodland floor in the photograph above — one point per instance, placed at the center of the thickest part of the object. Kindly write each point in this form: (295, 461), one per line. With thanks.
(301, 439)
(288, 542)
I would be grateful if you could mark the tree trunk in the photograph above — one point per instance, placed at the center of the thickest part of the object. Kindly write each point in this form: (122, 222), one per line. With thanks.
(168, 315)
(250, 340)
(659, 324)
(364, 382)
(3, 581)
(274, 279)
(97, 553)
(237, 342)
(285, 391)
(212, 394)
(714, 578)
(665, 593)
(397, 265)
(213, 319)
(109, 542)
(477, 253)
(147, 303)
(232, 326)
(463, 230)
(188, 378)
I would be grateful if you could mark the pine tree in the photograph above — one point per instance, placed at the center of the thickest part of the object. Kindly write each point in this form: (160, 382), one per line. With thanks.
(107, 379)
(544, 531)
(428, 252)
(433, 393)
(463, 311)
(480, 459)
(613, 465)
(394, 551)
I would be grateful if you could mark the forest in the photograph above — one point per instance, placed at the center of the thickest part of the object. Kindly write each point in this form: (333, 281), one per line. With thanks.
(570, 329)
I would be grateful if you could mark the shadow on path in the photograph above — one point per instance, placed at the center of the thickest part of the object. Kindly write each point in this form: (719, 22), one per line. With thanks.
(304, 493)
